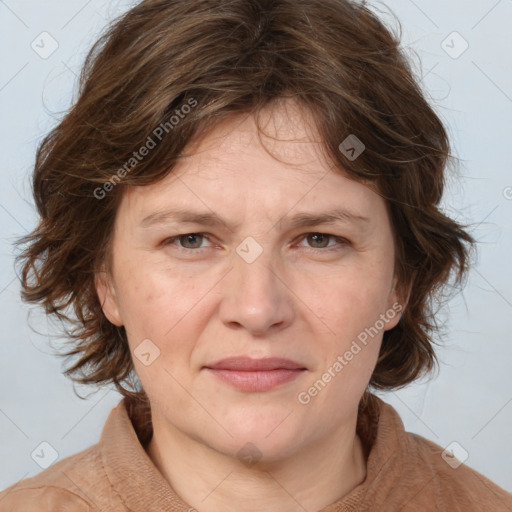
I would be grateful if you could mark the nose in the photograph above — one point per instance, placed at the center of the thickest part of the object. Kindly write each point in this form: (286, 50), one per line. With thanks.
(256, 297)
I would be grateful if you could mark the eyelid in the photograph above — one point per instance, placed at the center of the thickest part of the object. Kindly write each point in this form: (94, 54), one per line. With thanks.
(342, 241)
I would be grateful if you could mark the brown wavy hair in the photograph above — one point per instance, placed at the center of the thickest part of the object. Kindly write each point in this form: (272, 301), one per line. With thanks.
(335, 57)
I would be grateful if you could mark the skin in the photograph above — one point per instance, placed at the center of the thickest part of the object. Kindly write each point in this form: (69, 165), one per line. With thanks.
(303, 298)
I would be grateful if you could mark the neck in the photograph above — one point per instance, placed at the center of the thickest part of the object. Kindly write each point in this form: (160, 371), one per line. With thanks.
(211, 481)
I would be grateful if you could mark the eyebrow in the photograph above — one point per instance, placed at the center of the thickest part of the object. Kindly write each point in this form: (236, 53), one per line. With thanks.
(300, 220)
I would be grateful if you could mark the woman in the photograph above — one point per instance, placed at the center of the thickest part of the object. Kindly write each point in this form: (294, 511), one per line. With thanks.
(290, 142)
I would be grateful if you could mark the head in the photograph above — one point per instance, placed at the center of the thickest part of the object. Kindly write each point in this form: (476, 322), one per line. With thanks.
(251, 114)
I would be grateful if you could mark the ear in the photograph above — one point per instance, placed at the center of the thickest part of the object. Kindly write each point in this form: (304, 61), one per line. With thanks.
(398, 300)
(107, 296)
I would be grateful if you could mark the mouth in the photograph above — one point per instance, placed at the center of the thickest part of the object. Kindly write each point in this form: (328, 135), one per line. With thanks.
(254, 375)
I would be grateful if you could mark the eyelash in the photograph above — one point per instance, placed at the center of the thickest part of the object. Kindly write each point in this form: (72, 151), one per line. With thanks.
(342, 242)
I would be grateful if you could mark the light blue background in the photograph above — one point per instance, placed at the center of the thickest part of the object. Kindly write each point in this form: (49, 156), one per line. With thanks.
(469, 402)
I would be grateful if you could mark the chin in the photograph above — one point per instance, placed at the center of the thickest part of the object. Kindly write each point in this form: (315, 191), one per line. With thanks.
(259, 452)
(259, 437)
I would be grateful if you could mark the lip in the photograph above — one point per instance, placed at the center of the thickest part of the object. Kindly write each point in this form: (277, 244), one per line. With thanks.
(248, 364)
(247, 374)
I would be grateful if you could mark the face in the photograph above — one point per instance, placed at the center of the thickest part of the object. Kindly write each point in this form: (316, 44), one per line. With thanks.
(248, 270)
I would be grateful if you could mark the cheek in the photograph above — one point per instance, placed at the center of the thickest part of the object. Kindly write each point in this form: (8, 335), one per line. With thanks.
(350, 301)
(160, 304)
(142, 300)
(348, 355)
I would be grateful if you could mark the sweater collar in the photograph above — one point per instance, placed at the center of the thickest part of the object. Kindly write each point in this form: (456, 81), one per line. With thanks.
(142, 487)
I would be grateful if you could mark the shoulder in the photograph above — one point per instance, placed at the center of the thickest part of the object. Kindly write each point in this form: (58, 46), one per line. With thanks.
(408, 472)
(41, 499)
(448, 482)
(80, 482)
(66, 485)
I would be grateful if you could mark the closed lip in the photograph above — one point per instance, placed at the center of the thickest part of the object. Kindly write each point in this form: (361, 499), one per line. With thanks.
(248, 364)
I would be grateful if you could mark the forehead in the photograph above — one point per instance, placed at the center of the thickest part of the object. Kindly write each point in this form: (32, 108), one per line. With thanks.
(284, 128)
(236, 167)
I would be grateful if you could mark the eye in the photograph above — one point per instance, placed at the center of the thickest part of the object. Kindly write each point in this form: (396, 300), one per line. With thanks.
(192, 241)
(320, 240)
(188, 241)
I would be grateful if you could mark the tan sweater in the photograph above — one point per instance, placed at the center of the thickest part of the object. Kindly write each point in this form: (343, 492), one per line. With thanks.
(405, 473)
